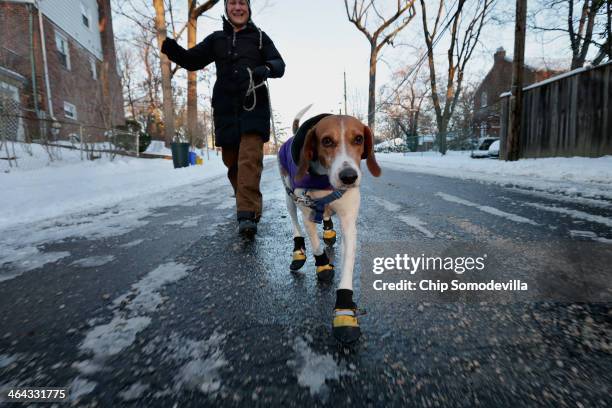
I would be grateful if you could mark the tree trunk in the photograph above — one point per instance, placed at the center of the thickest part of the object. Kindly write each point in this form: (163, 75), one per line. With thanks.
(160, 25)
(372, 89)
(442, 130)
(192, 86)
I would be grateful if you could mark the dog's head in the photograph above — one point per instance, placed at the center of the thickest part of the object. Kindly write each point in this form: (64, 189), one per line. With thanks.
(339, 143)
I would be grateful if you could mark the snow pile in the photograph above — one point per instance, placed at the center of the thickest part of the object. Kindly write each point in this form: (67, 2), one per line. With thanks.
(158, 148)
(39, 189)
(583, 176)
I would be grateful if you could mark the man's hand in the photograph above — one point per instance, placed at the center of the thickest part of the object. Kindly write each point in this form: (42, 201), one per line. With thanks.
(261, 73)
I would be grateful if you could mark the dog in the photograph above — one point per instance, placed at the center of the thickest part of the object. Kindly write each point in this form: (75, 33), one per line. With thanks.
(320, 167)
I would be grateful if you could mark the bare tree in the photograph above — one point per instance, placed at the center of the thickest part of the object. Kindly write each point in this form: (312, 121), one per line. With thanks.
(126, 63)
(463, 41)
(408, 90)
(192, 89)
(383, 34)
(585, 22)
(160, 26)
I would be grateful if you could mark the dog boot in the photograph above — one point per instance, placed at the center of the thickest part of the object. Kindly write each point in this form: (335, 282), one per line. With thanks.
(299, 254)
(345, 326)
(325, 270)
(329, 235)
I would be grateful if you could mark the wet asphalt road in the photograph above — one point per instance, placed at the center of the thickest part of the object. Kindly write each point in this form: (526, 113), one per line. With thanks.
(178, 311)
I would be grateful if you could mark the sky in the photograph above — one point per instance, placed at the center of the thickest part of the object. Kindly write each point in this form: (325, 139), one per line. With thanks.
(319, 44)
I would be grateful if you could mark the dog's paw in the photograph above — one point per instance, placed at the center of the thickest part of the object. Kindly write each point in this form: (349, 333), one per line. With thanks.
(345, 326)
(299, 259)
(325, 273)
(329, 237)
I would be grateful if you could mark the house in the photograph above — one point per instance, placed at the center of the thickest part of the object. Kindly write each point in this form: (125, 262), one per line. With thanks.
(487, 101)
(58, 61)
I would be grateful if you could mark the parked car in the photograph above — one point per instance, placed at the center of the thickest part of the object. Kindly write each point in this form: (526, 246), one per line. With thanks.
(494, 150)
(483, 147)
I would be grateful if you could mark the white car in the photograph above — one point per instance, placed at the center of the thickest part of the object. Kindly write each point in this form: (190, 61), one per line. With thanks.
(494, 150)
(483, 147)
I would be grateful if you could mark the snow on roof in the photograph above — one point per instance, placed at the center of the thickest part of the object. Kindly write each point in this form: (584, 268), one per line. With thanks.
(546, 64)
(558, 77)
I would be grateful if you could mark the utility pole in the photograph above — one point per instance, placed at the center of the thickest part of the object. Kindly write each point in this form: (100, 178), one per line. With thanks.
(516, 99)
(345, 108)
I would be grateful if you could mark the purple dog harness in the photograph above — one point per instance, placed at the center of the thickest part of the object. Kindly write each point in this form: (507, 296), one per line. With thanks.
(288, 156)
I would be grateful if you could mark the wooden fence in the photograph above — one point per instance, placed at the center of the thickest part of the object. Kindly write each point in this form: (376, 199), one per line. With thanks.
(567, 115)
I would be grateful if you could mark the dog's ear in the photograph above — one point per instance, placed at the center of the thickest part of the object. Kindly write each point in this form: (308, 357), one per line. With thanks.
(368, 152)
(309, 153)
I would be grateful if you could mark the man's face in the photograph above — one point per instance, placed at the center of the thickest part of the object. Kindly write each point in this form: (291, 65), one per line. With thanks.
(238, 12)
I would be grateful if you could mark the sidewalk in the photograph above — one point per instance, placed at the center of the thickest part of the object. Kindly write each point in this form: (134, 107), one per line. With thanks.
(572, 176)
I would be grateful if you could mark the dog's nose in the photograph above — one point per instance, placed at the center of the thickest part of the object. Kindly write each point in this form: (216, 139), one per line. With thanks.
(348, 176)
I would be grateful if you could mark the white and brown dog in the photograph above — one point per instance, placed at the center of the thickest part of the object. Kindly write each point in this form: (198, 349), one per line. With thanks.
(320, 168)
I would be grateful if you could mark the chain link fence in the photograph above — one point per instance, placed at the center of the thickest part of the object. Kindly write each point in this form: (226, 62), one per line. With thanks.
(24, 128)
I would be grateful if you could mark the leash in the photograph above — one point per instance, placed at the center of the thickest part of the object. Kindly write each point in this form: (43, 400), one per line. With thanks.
(251, 90)
(316, 204)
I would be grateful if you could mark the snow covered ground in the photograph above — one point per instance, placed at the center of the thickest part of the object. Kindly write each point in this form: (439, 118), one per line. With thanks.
(39, 189)
(572, 176)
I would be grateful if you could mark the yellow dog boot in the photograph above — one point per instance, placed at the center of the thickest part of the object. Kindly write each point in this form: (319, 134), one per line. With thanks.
(329, 235)
(325, 270)
(345, 326)
(299, 254)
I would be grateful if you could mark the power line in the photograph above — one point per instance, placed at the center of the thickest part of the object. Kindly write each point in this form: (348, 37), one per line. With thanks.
(422, 59)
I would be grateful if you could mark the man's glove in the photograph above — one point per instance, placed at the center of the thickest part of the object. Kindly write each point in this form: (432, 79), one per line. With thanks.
(261, 73)
(169, 47)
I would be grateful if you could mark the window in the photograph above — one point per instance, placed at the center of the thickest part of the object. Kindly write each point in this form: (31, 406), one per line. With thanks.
(85, 15)
(70, 111)
(94, 71)
(9, 91)
(483, 99)
(62, 48)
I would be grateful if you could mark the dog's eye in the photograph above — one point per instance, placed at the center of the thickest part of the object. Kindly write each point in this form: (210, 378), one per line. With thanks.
(327, 142)
(358, 140)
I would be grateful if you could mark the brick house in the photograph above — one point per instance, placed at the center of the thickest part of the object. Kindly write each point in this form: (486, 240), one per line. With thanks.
(74, 79)
(487, 101)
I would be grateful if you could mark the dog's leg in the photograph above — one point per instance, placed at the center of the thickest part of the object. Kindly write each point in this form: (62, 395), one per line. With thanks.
(299, 247)
(329, 235)
(325, 270)
(345, 326)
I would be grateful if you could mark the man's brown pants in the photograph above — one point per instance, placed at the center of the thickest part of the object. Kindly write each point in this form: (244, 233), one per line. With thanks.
(244, 166)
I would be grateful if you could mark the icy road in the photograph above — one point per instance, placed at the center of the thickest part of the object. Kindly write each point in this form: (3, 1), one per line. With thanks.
(165, 306)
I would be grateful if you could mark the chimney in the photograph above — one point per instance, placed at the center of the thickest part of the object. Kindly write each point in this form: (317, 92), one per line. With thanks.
(499, 55)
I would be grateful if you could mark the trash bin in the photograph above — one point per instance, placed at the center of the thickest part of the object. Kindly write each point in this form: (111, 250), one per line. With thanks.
(180, 154)
(192, 158)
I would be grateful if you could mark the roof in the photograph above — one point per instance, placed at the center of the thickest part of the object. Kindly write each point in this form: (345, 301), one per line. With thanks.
(558, 77)
(545, 64)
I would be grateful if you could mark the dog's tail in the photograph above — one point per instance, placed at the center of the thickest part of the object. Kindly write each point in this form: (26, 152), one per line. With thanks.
(296, 120)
